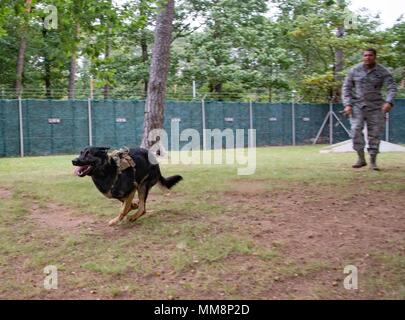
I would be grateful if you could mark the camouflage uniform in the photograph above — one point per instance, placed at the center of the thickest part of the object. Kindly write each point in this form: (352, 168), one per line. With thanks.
(362, 90)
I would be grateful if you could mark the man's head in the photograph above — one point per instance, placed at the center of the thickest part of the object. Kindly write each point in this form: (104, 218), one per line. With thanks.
(369, 57)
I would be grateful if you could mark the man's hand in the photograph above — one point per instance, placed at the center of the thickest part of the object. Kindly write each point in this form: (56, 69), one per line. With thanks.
(348, 110)
(387, 107)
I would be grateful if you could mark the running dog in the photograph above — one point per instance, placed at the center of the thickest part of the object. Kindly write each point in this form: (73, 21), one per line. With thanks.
(120, 174)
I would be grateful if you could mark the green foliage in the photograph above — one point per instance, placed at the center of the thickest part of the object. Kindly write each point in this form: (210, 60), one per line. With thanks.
(232, 49)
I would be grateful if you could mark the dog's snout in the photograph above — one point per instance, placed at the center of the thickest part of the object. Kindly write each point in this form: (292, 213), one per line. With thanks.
(75, 162)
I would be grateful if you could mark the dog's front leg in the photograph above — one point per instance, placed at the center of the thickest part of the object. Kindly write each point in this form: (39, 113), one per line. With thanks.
(125, 208)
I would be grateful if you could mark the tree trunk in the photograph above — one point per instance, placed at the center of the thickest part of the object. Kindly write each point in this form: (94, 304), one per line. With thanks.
(145, 57)
(47, 65)
(271, 85)
(73, 65)
(270, 94)
(20, 65)
(144, 45)
(21, 53)
(72, 77)
(47, 78)
(106, 89)
(154, 106)
(216, 87)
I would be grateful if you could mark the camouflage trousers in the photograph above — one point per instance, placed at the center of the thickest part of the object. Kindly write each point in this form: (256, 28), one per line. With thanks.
(375, 120)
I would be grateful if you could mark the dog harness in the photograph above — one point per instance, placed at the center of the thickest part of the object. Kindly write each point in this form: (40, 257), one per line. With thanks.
(122, 159)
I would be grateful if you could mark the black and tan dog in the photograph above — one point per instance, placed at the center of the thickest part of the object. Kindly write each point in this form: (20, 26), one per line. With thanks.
(119, 184)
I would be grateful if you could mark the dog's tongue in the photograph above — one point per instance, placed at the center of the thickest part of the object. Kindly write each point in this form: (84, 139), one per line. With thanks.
(77, 170)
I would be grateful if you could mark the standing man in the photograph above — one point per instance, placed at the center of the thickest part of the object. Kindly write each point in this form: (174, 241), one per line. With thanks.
(363, 101)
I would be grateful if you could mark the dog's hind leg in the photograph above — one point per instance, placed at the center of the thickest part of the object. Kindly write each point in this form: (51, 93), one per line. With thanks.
(134, 205)
(143, 191)
(125, 208)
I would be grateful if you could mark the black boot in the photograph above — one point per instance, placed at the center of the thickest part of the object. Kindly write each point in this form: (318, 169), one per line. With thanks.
(361, 162)
(373, 162)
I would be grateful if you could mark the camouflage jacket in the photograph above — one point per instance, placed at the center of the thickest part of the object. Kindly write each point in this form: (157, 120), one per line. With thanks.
(362, 88)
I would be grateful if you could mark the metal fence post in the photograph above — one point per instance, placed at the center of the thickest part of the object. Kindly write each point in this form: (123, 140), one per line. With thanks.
(90, 123)
(293, 117)
(250, 122)
(203, 123)
(194, 89)
(20, 116)
(331, 122)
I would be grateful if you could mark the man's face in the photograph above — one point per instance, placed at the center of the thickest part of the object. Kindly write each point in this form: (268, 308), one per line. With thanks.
(369, 58)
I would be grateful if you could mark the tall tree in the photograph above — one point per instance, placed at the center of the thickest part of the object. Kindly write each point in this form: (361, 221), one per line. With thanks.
(107, 54)
(47, 62)
(104, 42)
(314, 32)
(213, 53)
(143, 12)
(392, 54)
(73, 62)
(76, 8)
(154, 106)
(22, 49)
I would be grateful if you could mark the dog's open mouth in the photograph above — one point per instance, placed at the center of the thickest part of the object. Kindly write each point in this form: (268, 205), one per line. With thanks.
(83, 170)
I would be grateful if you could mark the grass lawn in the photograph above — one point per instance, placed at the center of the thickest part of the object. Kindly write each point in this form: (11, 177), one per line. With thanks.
(286, 232)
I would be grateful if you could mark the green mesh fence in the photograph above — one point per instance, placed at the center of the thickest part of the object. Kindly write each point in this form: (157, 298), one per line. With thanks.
(62, 127)
(9, 128)
(397, 121)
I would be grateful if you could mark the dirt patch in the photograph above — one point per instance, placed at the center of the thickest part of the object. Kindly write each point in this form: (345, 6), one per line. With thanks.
(322, 217)
(56, 216)
(5, 193)
(59, 217)
(250, 187)
(327, 227)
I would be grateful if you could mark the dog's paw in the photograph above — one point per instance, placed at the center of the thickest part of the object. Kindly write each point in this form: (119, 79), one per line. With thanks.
(113, 222)
(136, 216)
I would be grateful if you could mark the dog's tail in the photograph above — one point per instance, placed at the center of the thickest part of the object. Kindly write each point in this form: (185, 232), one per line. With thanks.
(170, 181)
